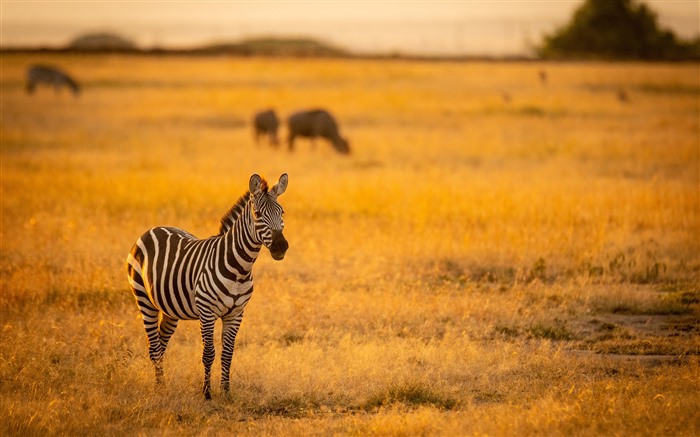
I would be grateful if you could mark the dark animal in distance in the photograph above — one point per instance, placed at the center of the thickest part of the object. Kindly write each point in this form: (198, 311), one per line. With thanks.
(52, 76)
(266, 123)
(506, 97)
(316, 123)
(622, 96)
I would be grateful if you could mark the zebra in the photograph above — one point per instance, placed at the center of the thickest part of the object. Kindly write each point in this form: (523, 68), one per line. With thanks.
(175, 276)
(49, 75)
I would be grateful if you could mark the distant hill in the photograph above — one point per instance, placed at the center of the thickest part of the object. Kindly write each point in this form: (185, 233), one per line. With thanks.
(101, 42)
(105, 42)
(295, 47)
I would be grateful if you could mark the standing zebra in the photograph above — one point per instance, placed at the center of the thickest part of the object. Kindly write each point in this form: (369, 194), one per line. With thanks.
(49, 75)
(175, 276)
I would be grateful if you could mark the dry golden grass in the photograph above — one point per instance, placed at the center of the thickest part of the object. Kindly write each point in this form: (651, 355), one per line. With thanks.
(476, 266)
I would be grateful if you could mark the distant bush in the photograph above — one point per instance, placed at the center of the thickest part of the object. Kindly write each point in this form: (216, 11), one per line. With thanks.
(616, 29)
(101, 42)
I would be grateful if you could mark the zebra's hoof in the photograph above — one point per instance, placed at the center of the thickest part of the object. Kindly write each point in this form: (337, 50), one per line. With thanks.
(226, 395)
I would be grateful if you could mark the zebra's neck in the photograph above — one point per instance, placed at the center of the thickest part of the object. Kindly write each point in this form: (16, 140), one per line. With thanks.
(243, 243)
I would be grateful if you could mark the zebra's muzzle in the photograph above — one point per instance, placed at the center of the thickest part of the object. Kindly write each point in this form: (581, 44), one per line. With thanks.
(279, 245)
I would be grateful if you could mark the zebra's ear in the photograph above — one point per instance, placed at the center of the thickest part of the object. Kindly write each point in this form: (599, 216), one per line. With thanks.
(255, 185)
(281, 186)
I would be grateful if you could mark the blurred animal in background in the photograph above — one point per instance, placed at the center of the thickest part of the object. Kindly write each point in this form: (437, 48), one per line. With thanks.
(266, 123)
(622, 96)
(507, 98)
(543, 77)
(316, 123)
(52, 76)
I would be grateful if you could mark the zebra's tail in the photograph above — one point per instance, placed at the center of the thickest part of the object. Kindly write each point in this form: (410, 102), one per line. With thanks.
(134, 271)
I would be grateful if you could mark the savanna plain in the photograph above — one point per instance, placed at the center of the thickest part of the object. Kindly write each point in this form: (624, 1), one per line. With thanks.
(499, 254)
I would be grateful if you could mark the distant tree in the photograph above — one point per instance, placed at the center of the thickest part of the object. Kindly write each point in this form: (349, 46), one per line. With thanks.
(616, 29)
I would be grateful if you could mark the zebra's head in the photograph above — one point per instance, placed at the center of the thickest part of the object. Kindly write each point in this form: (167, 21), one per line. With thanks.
(268, 214)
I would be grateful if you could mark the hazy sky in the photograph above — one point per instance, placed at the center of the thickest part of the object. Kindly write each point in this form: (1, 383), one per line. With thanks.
(448, 27)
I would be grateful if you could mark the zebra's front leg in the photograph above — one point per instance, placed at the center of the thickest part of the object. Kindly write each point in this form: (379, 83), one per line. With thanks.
(228, 340)
(206, 324)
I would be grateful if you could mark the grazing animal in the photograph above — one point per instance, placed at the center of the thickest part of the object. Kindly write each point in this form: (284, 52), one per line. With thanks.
(49, 75)
(505, 95)
(622, 96)
(543, 77)
(316, 123)
(175, 276)
(266, 123)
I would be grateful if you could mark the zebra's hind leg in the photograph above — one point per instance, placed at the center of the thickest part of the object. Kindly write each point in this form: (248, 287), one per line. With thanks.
(228, 340)
(206, 324)
(155, 348)
(166, 329)
(149, 313)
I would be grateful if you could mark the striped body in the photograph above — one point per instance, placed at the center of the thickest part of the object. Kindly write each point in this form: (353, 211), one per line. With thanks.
(183, 273)
(52, 76)
(175, 276)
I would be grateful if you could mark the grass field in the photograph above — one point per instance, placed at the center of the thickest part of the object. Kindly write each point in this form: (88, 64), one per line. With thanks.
(479, 265)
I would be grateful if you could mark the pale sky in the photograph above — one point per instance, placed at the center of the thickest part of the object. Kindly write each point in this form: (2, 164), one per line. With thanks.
(495, 27)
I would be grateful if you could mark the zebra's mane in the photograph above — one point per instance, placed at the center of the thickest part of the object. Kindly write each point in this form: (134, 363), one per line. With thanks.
(229, 219)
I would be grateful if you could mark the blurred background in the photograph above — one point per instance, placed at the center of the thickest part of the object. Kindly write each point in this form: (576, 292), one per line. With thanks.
(466, 28)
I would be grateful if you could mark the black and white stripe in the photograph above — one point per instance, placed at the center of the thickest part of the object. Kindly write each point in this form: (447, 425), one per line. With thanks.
(175, 276)
(52, 76)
